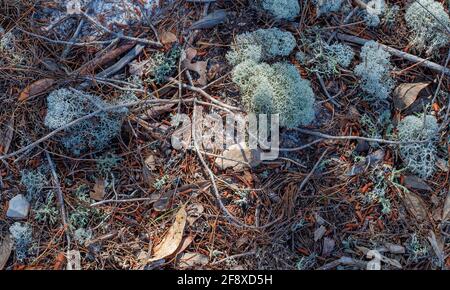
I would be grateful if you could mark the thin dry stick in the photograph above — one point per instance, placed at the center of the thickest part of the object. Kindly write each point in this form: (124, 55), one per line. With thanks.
(228, 215)
(326, 136)
(423, 62)
(118, 35)
(86, 117)
(60, 196)
(121, 201)
(205, 94)
(73, 43)
(312, 170)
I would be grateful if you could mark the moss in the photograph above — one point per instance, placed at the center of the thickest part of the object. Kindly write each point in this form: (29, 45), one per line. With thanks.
(427, 27)
(419, 158)
(327, 6)
(282, 9)
(271, 88)
(325, 59)
(374, 71)
(22, 236)
(276, 89)
(261, 45)
(34, 182)
(65, 106)
(163, 65)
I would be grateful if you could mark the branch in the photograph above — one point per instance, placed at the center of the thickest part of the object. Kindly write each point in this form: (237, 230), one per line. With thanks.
(398, 53)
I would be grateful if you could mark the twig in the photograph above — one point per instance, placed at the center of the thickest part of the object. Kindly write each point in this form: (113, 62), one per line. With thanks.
(423, 62)
(327, 94)
(120, 201)
(86, 117)
(305, 180)
(132, 54)
(118, 35)
(326, 136)
(60, 196)
(205, 94)
(229, 216)
(66, 42)
(73, 39)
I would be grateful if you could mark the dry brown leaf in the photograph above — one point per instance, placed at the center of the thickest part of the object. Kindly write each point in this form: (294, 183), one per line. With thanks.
(199, 67)
(6, 136)
(167, 37)
(406, 94)
(415, 205)
(150, 162)
(173, 238)
(414, 182)
(5, 250)
(36, 88)
(99, 190)
(184, 244)
(446, 209)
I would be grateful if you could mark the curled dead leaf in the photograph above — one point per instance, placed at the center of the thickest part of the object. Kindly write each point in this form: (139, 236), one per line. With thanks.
(35, 89)
(406, 94)
(199, 67)
(167, 37)
(415, 205)
(6, 246)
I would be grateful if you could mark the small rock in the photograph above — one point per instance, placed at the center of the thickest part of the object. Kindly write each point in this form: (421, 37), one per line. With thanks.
(18, 207)
(237, 156)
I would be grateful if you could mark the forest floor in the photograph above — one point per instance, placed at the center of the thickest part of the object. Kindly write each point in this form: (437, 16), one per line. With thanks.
(141, 204)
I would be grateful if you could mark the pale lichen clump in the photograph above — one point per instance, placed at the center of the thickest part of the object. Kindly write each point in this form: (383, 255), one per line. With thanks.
(10, 55)
(261, 45)
(271, 88)
(324, 58)
(65, 106)
(374, 71)
(282, 9)
(327, 6)
(276, 88)
(22, 236)
(429, 24)
(419, 158)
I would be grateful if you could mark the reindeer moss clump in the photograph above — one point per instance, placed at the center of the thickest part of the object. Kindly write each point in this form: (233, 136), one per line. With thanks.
(282, 9)
(96, 133)
(419, 158)
(275, 89)
(327, 6)
(271, 88)
(324, 58)
(429, 24)
(374, 71)
(261, 45)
